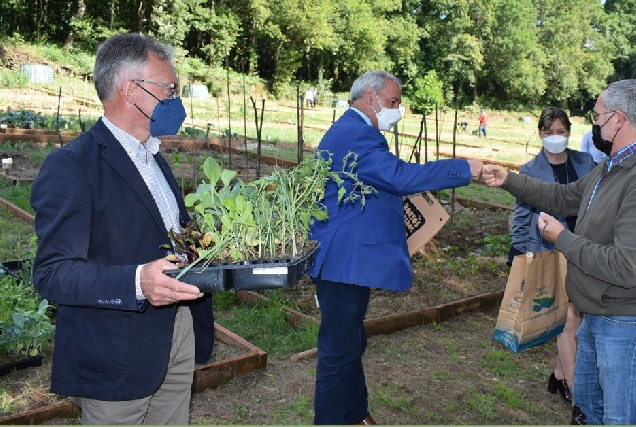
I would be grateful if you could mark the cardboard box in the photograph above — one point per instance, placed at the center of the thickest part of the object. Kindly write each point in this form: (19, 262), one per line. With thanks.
(424, 217)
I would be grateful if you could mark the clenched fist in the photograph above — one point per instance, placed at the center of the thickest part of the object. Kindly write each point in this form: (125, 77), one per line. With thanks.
(494, 175)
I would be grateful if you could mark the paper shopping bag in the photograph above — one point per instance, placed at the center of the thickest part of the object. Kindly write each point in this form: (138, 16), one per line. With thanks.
(424, 217)
(535, 303)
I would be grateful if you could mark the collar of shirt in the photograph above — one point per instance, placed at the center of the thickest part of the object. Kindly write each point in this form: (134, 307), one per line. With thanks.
(132, 145)
(620, 156)
(364, 116)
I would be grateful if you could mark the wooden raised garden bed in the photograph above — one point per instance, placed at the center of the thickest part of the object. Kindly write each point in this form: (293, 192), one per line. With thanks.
(398, 322)
(206, 376)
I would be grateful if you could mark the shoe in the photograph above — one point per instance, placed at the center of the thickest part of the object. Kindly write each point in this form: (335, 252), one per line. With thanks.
(367, 421)
(561, 386)
(578, 417)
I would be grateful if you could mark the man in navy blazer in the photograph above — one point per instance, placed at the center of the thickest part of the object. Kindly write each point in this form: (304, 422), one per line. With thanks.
(124, 342)
(365, 247)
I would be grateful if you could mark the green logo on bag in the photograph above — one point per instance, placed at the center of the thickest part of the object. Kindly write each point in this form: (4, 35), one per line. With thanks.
(542, 303)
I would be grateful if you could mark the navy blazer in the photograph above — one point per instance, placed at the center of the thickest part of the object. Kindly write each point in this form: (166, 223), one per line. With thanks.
(525, 234)
(96, 221)
(367, 246)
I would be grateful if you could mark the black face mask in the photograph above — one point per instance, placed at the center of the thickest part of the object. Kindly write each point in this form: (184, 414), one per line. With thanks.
(602, 145)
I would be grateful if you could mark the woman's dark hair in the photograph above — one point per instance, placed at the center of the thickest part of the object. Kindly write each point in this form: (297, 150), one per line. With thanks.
(550, 115)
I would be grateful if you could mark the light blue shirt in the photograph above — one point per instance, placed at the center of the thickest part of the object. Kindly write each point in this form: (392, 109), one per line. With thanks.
(364, 116)
(587, 146)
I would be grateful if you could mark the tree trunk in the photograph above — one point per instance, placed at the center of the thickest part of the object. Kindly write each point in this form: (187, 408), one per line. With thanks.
(40, 17)
(112, 15)
(79, 15)
(140, 16)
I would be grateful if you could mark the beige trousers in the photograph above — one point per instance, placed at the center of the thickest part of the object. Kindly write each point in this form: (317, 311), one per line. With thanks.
(170, 404)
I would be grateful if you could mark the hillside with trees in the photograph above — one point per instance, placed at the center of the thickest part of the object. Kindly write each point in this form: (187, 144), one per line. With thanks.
(502, 54)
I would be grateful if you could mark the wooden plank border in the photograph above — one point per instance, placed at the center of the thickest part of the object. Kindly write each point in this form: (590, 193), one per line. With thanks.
(19, 212)
(398, 322)
(206, 376)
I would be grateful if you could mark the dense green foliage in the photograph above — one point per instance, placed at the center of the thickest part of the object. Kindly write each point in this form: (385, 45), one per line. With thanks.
(495, 53)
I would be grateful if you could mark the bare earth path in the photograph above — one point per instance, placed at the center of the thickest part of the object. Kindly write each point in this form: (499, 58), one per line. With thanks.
(431, 374)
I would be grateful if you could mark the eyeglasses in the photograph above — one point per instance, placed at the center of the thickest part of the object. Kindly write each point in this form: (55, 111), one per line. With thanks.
(173, 87)
(595, 116)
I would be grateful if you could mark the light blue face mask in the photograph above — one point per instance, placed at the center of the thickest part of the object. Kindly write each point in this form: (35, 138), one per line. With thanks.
(167, 116)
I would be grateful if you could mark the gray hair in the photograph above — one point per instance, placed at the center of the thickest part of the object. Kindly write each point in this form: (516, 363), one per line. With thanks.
(121, 53)
(621, 95)
(374, 80)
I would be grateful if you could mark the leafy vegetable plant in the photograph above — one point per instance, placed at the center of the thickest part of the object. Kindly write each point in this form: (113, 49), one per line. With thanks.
(24, 319)
(268, 218)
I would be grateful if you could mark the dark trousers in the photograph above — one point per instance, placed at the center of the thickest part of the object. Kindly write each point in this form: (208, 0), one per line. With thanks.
(341, 390)
(203, 326)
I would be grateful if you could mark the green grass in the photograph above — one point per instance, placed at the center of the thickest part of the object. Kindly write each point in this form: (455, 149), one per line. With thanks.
(491, 195)
(285, 298)
(442, 375)
(5, 400)
(508, 366)
(512, 397)
(19, 195)
(16, 239)
(264, 325)
(298, 411)
(483, 404)
(450, 344)
(225, 300)
(501, 363)
(392, 398)
(397, 353)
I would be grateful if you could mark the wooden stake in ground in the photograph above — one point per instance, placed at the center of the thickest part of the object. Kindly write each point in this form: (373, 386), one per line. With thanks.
(259, 128)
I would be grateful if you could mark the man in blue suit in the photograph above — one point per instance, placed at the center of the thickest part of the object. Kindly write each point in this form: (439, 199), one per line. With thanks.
(365, 247)
(124, 341)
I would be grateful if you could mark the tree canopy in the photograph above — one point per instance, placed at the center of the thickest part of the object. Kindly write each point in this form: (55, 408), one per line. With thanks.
(499, 53)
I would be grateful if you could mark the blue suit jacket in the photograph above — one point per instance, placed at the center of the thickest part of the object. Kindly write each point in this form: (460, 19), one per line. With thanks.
(96, 221)
(367, 247)
(525, 234)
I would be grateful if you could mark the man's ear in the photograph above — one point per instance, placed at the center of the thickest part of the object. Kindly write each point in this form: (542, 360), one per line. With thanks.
(369, 95)
(622, 118)
(129, 90)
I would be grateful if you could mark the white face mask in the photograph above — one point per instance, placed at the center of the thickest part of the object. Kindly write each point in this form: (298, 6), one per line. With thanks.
(555, 144)
(387, 117)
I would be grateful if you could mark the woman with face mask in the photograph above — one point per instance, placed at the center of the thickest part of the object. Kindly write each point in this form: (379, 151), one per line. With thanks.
(554, 163)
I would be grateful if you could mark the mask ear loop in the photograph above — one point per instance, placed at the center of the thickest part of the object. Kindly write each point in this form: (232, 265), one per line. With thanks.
(379, 103)
(378, 98)
(149, 93)
(608, 119)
